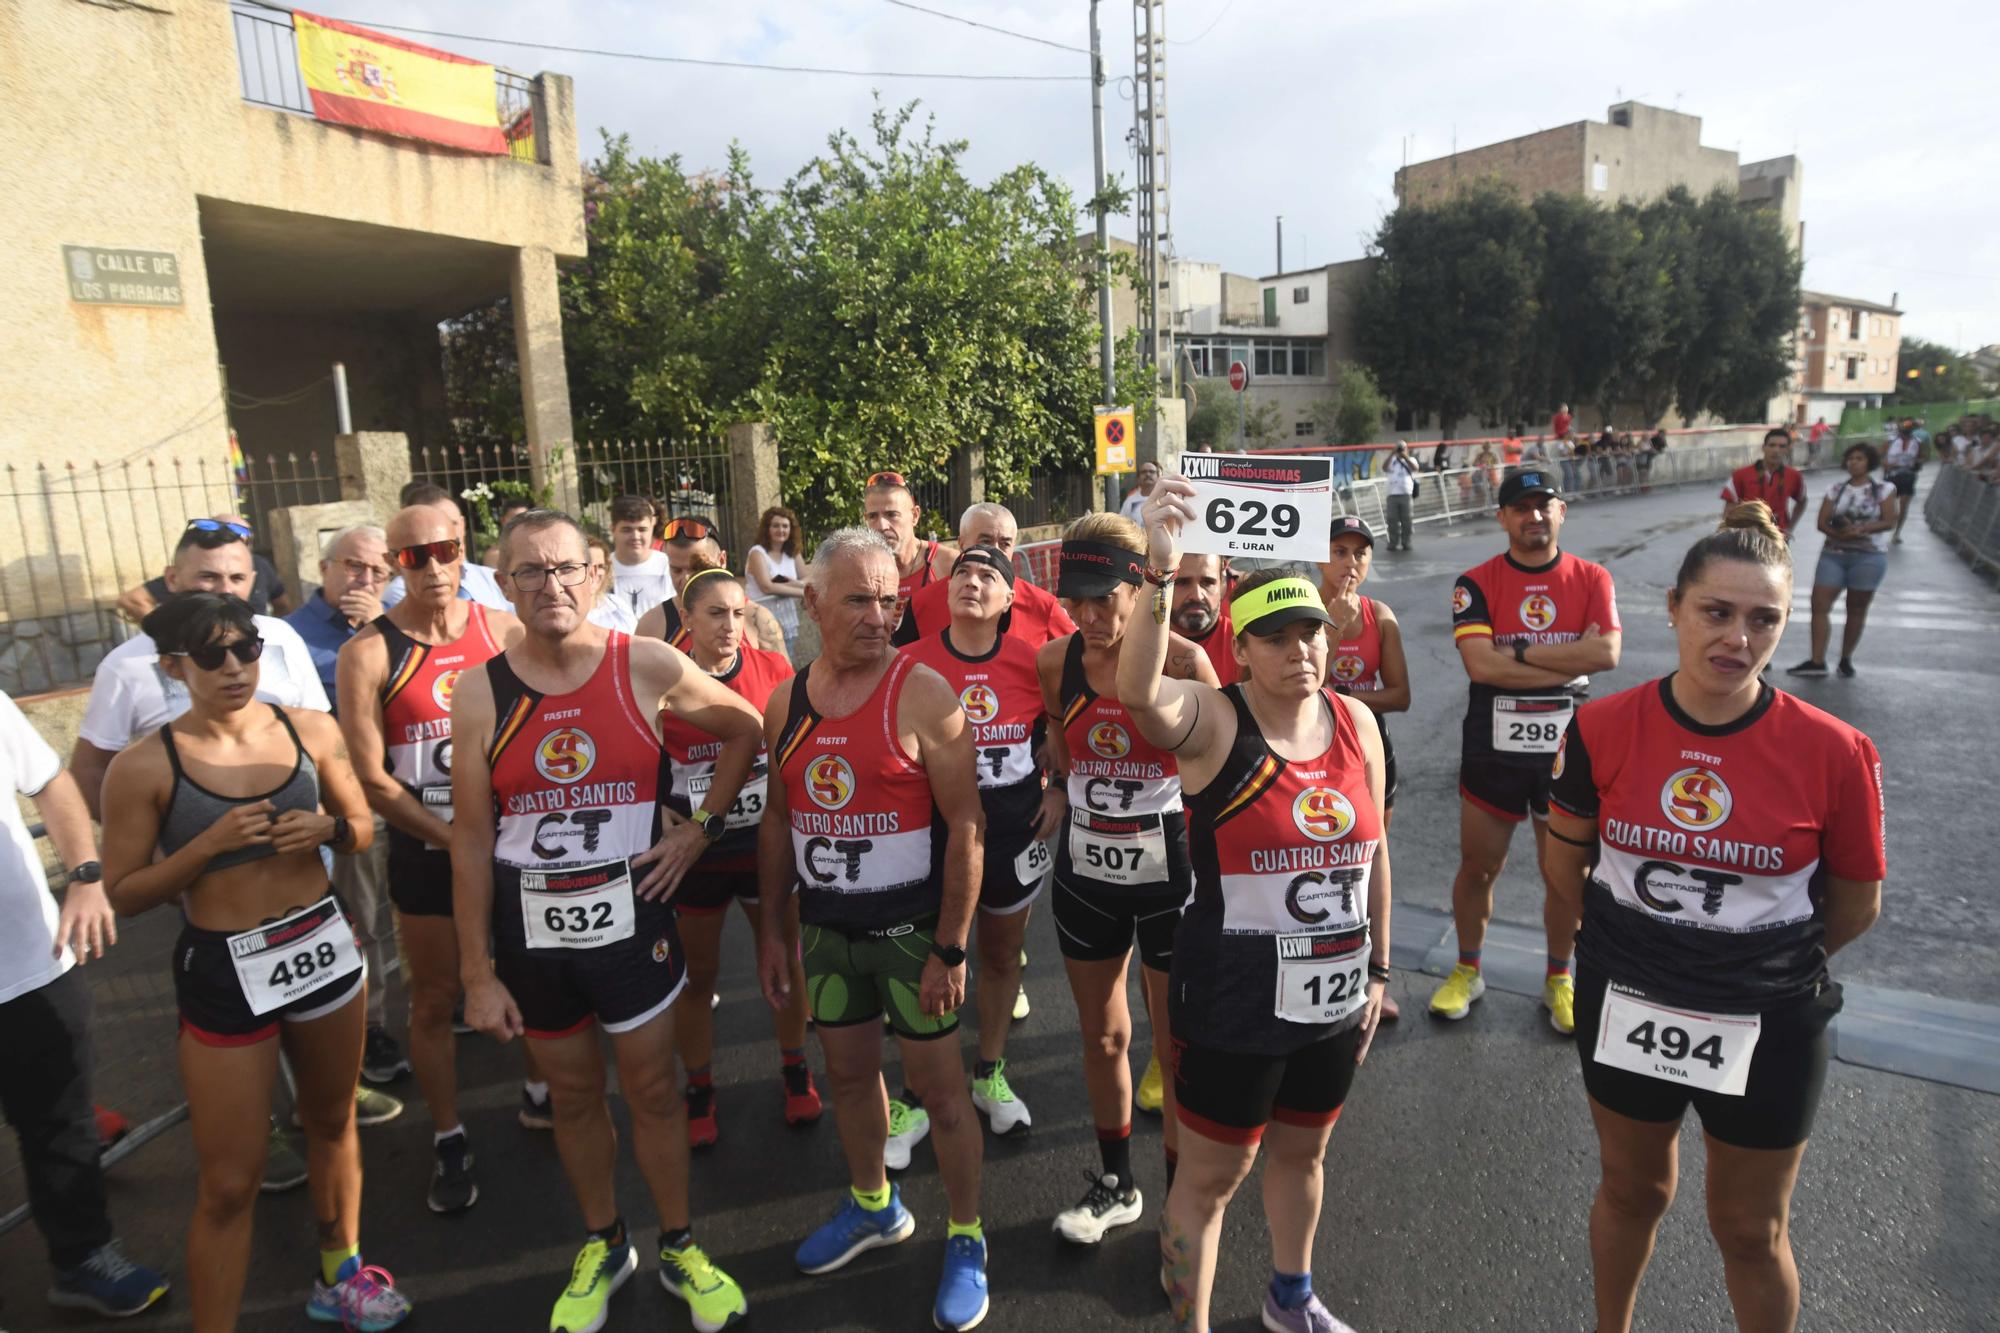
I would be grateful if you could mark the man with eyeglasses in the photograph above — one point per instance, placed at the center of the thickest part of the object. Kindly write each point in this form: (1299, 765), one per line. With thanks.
(477, 582)
(888, 507)
(691, 546)
(267, 595)
(353, 570)
(571, 875)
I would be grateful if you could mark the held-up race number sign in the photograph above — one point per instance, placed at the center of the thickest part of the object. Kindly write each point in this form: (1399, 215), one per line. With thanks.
(1259, 505)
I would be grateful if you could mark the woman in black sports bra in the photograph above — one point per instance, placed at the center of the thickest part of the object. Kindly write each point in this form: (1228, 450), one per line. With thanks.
(237, 797)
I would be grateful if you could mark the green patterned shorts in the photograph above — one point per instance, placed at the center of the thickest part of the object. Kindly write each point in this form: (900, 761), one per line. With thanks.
(851, 981)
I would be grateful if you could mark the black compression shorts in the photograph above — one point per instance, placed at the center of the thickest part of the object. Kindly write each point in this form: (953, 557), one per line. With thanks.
(1787, 1073)
(419, 876)
(1229, 1097)
(1095, 924)
(1509, 791)
(712, 888)
(1003, 890)
(621, 985)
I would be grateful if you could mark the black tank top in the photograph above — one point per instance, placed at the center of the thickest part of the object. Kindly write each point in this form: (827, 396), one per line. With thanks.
(192, 809)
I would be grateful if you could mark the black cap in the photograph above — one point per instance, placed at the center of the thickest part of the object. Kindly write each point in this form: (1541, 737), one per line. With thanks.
(1528, 481)
(989, 556)
(1095, 569)
(1346, 523)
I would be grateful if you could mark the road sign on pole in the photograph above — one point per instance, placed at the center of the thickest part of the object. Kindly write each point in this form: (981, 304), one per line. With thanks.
(1115, 441)
(1239, 376)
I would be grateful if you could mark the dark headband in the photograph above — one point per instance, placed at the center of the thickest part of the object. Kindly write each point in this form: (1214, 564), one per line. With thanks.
(1094, 569)
(988, 556)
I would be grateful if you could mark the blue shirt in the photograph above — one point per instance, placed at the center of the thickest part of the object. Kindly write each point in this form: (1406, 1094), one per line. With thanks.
(324, 629)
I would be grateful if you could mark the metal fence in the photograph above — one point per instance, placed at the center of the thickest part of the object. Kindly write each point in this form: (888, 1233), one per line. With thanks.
(1051, 496)
(1964, 509)
(689, 478)
(82, 534)
(267, 59)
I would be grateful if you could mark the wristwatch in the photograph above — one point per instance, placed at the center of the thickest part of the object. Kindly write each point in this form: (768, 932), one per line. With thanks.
(711, 825)
(339, 834)
(1521, 651)
(90, 872)
(949, 955)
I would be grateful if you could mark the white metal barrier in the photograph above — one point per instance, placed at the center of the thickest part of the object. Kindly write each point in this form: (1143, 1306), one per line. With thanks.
(1964, 509)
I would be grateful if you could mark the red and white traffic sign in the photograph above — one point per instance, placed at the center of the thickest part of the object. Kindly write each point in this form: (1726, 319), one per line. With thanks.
(1239, 376)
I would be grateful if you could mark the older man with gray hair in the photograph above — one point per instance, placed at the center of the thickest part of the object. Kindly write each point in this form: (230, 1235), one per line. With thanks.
(1035, 617)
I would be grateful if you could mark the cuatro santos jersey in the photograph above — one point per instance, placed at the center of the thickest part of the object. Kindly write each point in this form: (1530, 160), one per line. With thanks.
(1127, 828)
(1002, 698)
(1357, 660)
(867, 839)
(691, 754)
(1272, 952)
(1509, 602)
(416, 708)
(1715, 843)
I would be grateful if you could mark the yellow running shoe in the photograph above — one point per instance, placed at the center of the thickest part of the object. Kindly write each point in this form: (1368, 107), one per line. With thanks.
(1152, 1095)
(713, 1299)
(1453, 1000)
(599, 1270)
(1559, 997)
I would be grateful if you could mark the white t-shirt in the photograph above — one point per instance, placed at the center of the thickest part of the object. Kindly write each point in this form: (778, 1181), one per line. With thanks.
(1861, 504)
(786, 565)
(1135, 500)
(131, 695)
(27, 908)
(476, 584)
(613, 612)
(1903, 455)
(644, 585)
(1402, 477)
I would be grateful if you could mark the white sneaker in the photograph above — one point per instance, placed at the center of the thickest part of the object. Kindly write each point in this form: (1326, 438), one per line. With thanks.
(1105, 1206)
(1005, 1113)
(908, 1126)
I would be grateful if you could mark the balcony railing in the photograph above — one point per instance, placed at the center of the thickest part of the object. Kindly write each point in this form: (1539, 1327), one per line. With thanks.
(267, 59)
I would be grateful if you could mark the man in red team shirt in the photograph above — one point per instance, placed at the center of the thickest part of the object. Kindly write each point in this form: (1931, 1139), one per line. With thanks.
(1559, 424)
(1035, 617)
(1530, 625)
(1782, 488)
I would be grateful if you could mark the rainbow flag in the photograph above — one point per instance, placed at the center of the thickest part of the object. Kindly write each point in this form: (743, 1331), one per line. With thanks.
(376, 82)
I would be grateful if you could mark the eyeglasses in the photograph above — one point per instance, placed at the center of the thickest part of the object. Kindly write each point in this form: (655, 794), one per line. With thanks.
(687, 530)
(241, 530)
(416, 557)
(880, 479)
(533, 578)
(209, 656)
(363, 572)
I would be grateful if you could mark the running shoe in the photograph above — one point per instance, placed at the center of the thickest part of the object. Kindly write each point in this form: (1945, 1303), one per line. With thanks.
(1104, 1206)
(382, 1059)
(961, 1298)
(453, 1190)
(1152, 1094)
(365, 1300)
(1454, 999)
(371, 1107)
(802, 1104)
(107, 1283)
(1021, 1006)
(1559, 998)
(908, 1125)
(1807, 668)
(284, 1169)
(1005, 1113)
(702, 1129)
(1846, 668)
(535, 1114)
(713, 1299)
(599, 1270)
(853, 1229)
(1312, 1317)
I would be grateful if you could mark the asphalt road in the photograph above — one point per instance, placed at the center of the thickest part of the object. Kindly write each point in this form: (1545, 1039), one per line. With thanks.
(1460, 1176)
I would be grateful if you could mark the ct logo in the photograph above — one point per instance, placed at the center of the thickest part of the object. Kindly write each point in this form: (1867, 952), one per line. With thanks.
(1347, 668)
(830, 782)
(1461, 600)
(1538, 611)
(1109, 741)
(1323, 814)
(1696, 799)
(565, 754)
(442, 689)
(980, 703)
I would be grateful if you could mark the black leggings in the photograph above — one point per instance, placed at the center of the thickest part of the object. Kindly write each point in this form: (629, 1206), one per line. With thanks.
(45, 1092)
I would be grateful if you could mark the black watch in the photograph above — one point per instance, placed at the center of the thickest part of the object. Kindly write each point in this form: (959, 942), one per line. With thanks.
(712, 826)
(949, 955)
(1521, 651)
(340, 833)
(90, 872)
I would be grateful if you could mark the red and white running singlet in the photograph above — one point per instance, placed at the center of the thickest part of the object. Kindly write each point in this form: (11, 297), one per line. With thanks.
(1509, 602)
(691, 756)
(1272, 952)
(1357, 660)
(1126, 826)
(1002, 698)
(1715, 842)
(416, 707)
(866, 835)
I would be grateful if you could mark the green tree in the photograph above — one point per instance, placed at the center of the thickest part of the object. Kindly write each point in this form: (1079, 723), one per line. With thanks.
(1353, 413)
(1594, 315)
(1748, 281)
(1214, 422)
(1942, 375)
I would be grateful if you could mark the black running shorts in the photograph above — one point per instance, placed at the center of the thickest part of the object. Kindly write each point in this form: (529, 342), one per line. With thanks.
(1509, 791)
(210, 998)
(1095, 924)
(1229, 1097)
(419, 876)
(620, 985)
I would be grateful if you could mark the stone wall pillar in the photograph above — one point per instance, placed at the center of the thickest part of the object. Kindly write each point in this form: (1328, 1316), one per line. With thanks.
(373, 467)
(544, 376)
(754, 484)
(1167, 440)
(298, 532)
(968, 483)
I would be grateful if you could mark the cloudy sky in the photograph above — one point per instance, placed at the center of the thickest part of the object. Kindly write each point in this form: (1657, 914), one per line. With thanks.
(1304, 107)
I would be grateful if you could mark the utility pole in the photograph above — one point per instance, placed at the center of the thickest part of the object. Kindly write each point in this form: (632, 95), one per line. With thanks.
(1149, 142)
(1105, 351)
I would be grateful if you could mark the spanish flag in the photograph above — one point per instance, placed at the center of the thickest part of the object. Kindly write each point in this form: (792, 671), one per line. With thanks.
(363, 78)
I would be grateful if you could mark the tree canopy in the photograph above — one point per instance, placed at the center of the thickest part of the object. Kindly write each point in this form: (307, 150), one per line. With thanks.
(1942, 375)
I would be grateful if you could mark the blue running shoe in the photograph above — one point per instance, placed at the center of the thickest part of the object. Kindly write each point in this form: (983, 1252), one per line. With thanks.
(961, 1298)
(852, 1230)
(107, 1283)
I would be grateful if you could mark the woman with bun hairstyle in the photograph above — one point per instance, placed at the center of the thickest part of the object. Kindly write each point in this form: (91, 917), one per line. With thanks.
(1721, 840)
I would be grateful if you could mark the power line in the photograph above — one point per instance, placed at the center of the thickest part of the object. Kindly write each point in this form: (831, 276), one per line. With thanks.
(1205, 31)
(1004, 32)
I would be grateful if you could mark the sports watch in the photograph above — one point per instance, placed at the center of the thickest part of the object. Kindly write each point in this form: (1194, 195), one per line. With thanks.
(90, 872)
(711, 825)
(1521, 651)
(341, 829)
(948, 954)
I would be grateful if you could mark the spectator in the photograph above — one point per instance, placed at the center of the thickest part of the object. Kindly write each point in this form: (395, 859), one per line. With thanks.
(1402, 483)
(1510, 447)
(1813, 438)
(773, 566)
(1854, 515)
(1659, 439)
(1900, 465)
(267, 596)
(1441, 456)
(1560, 423)
(1536, 452)
(1485, 473)
(1563, 453)
(45, 1027)
(1135, 499)
(1781, 488)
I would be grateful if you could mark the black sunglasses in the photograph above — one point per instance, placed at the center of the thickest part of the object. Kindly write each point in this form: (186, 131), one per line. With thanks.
(209, 657)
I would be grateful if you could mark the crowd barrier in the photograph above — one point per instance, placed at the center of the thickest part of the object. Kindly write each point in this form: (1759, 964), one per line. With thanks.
(1964, 509)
